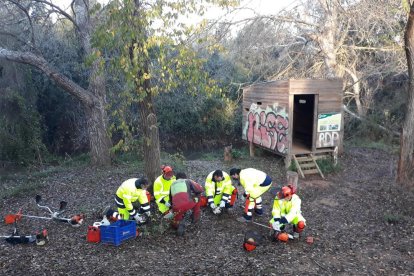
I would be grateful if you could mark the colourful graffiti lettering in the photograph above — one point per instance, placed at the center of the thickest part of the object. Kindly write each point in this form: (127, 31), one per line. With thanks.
(267, 128)
(327, 139)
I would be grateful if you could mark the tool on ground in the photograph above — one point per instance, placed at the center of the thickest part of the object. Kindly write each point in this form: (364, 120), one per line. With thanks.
(39, 238)
(290, 236)
(74, 221)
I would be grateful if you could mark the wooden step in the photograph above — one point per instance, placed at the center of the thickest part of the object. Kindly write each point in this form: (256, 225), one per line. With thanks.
(314, 171)
(307, 165)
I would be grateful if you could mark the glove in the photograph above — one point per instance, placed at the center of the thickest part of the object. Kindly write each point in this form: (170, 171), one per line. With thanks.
(217, 211)
(169, 215)
(222, 204)
(283, 220)
(212, 205)
(276, 226)
(167, 204)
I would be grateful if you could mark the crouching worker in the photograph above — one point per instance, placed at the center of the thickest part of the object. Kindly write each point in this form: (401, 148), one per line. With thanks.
(221, 194)
(162, 191)
(286, 210)
(184, 194)
(130, 191)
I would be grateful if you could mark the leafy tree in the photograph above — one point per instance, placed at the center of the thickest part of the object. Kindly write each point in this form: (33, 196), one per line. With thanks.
(148, 45)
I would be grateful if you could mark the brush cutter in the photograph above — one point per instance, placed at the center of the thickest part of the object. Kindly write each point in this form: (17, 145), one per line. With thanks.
(290, 236)
(40, 238)
(74, 221)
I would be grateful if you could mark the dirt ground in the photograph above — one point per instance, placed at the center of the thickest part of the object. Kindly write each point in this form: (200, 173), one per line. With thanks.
(361, 222)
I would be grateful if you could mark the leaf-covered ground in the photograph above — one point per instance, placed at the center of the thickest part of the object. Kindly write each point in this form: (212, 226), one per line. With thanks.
(361, 223)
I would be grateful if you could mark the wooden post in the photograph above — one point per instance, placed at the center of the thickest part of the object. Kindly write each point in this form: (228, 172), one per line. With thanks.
(228, 157)
(292, 179)
(251, 149)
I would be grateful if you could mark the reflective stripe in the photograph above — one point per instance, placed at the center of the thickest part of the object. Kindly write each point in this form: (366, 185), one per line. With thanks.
(132, 212)
(119, 202)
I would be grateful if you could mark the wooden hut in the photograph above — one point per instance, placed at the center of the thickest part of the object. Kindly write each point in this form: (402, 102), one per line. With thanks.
(301, 120)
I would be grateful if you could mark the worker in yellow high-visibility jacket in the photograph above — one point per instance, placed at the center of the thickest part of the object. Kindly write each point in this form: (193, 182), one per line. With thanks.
(220, 192)
(162, 190)
(255, 183)
(286, 210)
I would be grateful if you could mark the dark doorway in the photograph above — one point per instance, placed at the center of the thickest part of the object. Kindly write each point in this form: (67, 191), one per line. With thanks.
(303, 112)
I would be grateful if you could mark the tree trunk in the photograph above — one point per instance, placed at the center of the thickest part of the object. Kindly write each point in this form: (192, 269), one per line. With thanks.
(151, 140)
(148, 117)
(96, 117)
(406, 162)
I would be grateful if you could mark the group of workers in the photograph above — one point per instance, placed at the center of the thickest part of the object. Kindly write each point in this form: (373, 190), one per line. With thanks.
(175, 195)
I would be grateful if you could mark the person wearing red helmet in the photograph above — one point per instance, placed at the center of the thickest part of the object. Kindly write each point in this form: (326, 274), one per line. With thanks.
(287, 210)
(162, 190)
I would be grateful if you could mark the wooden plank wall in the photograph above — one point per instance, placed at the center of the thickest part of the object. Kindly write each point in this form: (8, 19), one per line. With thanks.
(267, 93)
(263, 95)
(329, 91)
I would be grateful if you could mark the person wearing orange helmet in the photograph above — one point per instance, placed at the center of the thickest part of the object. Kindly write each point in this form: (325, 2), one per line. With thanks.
(162, 190)
(286, 210)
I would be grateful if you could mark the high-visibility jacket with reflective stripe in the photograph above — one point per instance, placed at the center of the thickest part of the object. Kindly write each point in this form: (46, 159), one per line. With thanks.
(217, 189)
(129, 193)
(251, 179)
(162, 188)
(290, 209)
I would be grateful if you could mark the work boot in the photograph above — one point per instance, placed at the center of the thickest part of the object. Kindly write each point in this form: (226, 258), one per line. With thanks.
(244, 218)
(296, 235)
(181, 228)
(259, 212)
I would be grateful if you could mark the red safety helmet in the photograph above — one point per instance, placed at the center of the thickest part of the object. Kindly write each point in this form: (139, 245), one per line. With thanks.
(285, 191)
(167, 171)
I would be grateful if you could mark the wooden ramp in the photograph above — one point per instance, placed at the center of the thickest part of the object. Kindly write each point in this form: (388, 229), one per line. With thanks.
(306, 164)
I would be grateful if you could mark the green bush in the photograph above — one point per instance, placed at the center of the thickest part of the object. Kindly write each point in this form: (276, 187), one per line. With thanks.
(20, 134)
(327, 165)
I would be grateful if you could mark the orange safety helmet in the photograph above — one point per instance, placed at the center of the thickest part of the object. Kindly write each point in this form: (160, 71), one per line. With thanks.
(285, 191)
(283, 237)
(249, 245)
(167, 171)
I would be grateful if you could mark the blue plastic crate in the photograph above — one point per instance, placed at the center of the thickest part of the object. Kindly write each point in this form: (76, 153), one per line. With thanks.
(118, 232)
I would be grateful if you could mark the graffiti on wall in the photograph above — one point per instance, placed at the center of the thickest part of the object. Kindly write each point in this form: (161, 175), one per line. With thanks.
(327, 139)
(267, 127)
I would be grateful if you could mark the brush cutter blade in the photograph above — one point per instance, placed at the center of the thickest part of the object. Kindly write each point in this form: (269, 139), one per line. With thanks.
(38, 199)
(62, 205)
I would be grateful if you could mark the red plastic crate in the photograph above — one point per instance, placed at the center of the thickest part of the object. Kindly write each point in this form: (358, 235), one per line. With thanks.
(118, 232)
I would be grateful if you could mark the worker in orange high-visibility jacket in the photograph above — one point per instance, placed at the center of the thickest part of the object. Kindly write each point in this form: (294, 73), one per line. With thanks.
(287, 210)
(255, 184)
(184, 194)
(130, 191)
(162, 191)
